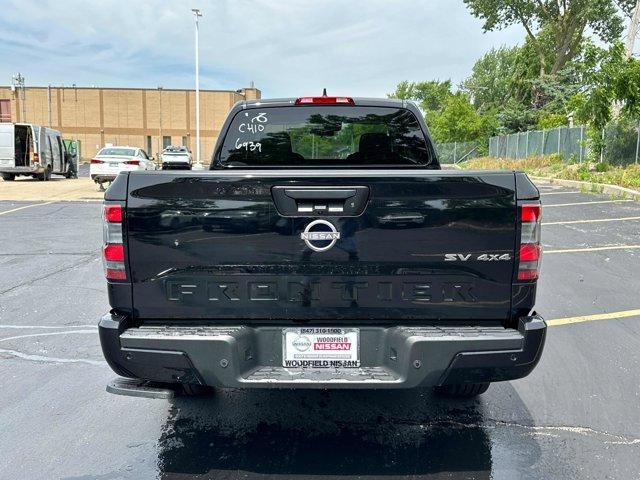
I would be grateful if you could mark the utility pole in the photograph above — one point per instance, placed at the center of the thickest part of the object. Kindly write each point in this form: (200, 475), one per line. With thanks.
(49, 102)
(18, 84)
(197, 14)
(632, 33)
(160, 143)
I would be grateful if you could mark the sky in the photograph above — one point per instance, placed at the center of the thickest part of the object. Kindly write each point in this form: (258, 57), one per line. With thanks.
(287, 47)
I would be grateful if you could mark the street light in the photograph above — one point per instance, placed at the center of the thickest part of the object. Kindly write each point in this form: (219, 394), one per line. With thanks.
(197, 14)
(17, 82)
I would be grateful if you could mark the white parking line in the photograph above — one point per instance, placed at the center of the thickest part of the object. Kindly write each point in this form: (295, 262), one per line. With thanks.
(585, 203)
(593, 249)
(558, 193)
(26, 206)
(597, 220)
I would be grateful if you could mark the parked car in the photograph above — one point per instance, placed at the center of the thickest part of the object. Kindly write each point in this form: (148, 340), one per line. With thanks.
(327, 286)
(176, 158)
(110, 161)
(35, 151)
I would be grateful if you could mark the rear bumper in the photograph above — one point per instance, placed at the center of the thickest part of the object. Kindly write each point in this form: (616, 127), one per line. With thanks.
(176, 166)
(22, 170)
(100, 177)
(392, 357)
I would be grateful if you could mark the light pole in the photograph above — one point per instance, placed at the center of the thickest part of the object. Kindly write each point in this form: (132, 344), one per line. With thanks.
(18, 84)
(197, 14)
(160, 142)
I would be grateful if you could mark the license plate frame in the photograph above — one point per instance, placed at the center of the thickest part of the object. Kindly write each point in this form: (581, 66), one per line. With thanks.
(320, 347)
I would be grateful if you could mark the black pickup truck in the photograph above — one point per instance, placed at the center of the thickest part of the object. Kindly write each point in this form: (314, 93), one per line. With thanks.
(325, 248)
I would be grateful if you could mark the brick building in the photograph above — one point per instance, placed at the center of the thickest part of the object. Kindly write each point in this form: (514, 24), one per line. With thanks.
(145, 118)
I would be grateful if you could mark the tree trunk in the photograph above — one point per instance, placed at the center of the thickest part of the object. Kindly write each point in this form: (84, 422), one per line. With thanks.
(632, 33)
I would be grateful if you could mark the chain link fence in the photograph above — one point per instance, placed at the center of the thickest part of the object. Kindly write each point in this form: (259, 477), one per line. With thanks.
(455, 152)
(569, 142)
(621, 142)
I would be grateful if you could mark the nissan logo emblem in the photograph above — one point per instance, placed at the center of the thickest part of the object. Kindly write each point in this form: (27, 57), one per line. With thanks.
(320, 235)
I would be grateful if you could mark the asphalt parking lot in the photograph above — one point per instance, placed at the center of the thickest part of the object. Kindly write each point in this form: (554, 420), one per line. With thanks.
(576, 416)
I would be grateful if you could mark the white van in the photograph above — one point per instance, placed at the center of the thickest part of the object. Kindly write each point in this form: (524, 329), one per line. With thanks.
(33, 150)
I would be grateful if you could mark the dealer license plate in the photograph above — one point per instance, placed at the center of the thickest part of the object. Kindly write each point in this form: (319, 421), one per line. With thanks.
(114, 164)
(321, 347)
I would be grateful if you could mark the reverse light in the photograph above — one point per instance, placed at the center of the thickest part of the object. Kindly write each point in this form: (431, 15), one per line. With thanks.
(530, 249)
(113, 246)
(325, 101)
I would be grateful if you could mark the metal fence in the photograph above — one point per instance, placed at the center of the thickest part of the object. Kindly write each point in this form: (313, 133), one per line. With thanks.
(569, 142)
(455, 152)
(621, 142)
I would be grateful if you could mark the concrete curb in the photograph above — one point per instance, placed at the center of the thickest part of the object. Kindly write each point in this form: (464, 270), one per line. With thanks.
(600, 187)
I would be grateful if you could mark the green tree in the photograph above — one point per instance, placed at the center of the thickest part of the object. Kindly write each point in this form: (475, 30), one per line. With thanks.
(429, 95)
(608, 77)
(458, 121)
(566, 21)
(492, 81)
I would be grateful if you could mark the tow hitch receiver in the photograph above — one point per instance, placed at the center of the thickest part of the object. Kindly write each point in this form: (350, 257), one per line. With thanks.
(139, 388)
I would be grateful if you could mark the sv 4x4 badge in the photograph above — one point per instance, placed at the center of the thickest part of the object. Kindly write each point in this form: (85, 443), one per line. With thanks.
(483, 257)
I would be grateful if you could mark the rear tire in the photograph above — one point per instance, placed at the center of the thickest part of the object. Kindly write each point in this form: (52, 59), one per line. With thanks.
(8, 177)
(193, 390)
(462, 390)
(44, 176)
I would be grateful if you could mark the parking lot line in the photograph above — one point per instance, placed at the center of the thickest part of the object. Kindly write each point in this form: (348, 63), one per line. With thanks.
(596, 220)
(586, 203)
(26, 206)
(590, 318)
(559, 193)
(593, 249)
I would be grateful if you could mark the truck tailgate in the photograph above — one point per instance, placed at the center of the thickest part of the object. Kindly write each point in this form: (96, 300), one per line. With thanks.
(425, 244)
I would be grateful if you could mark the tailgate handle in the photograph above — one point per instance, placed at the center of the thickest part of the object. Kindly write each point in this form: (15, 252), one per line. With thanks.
(319, 194)
(320, 201)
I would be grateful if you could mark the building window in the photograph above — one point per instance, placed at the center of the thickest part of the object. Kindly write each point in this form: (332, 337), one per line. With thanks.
(5, 111)
(149, 145)
(185, 141)
(166, 142)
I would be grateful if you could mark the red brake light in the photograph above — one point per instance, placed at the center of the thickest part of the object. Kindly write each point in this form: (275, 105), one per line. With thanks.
(112, 242)
(528, 274)
(531, 213)
(115, 274)
(95, 161)
(325, 100)
(132, 162)
(112, 213)
(114, 252)
(530, 250)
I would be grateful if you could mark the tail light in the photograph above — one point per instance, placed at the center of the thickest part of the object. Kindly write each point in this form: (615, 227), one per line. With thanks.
(132, 162)
(96, 161)
(530, 249)
(113, 246)
(325, 100)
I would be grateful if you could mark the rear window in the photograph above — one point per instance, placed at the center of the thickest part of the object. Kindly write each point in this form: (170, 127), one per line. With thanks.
(325, 135)
(122, 152)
